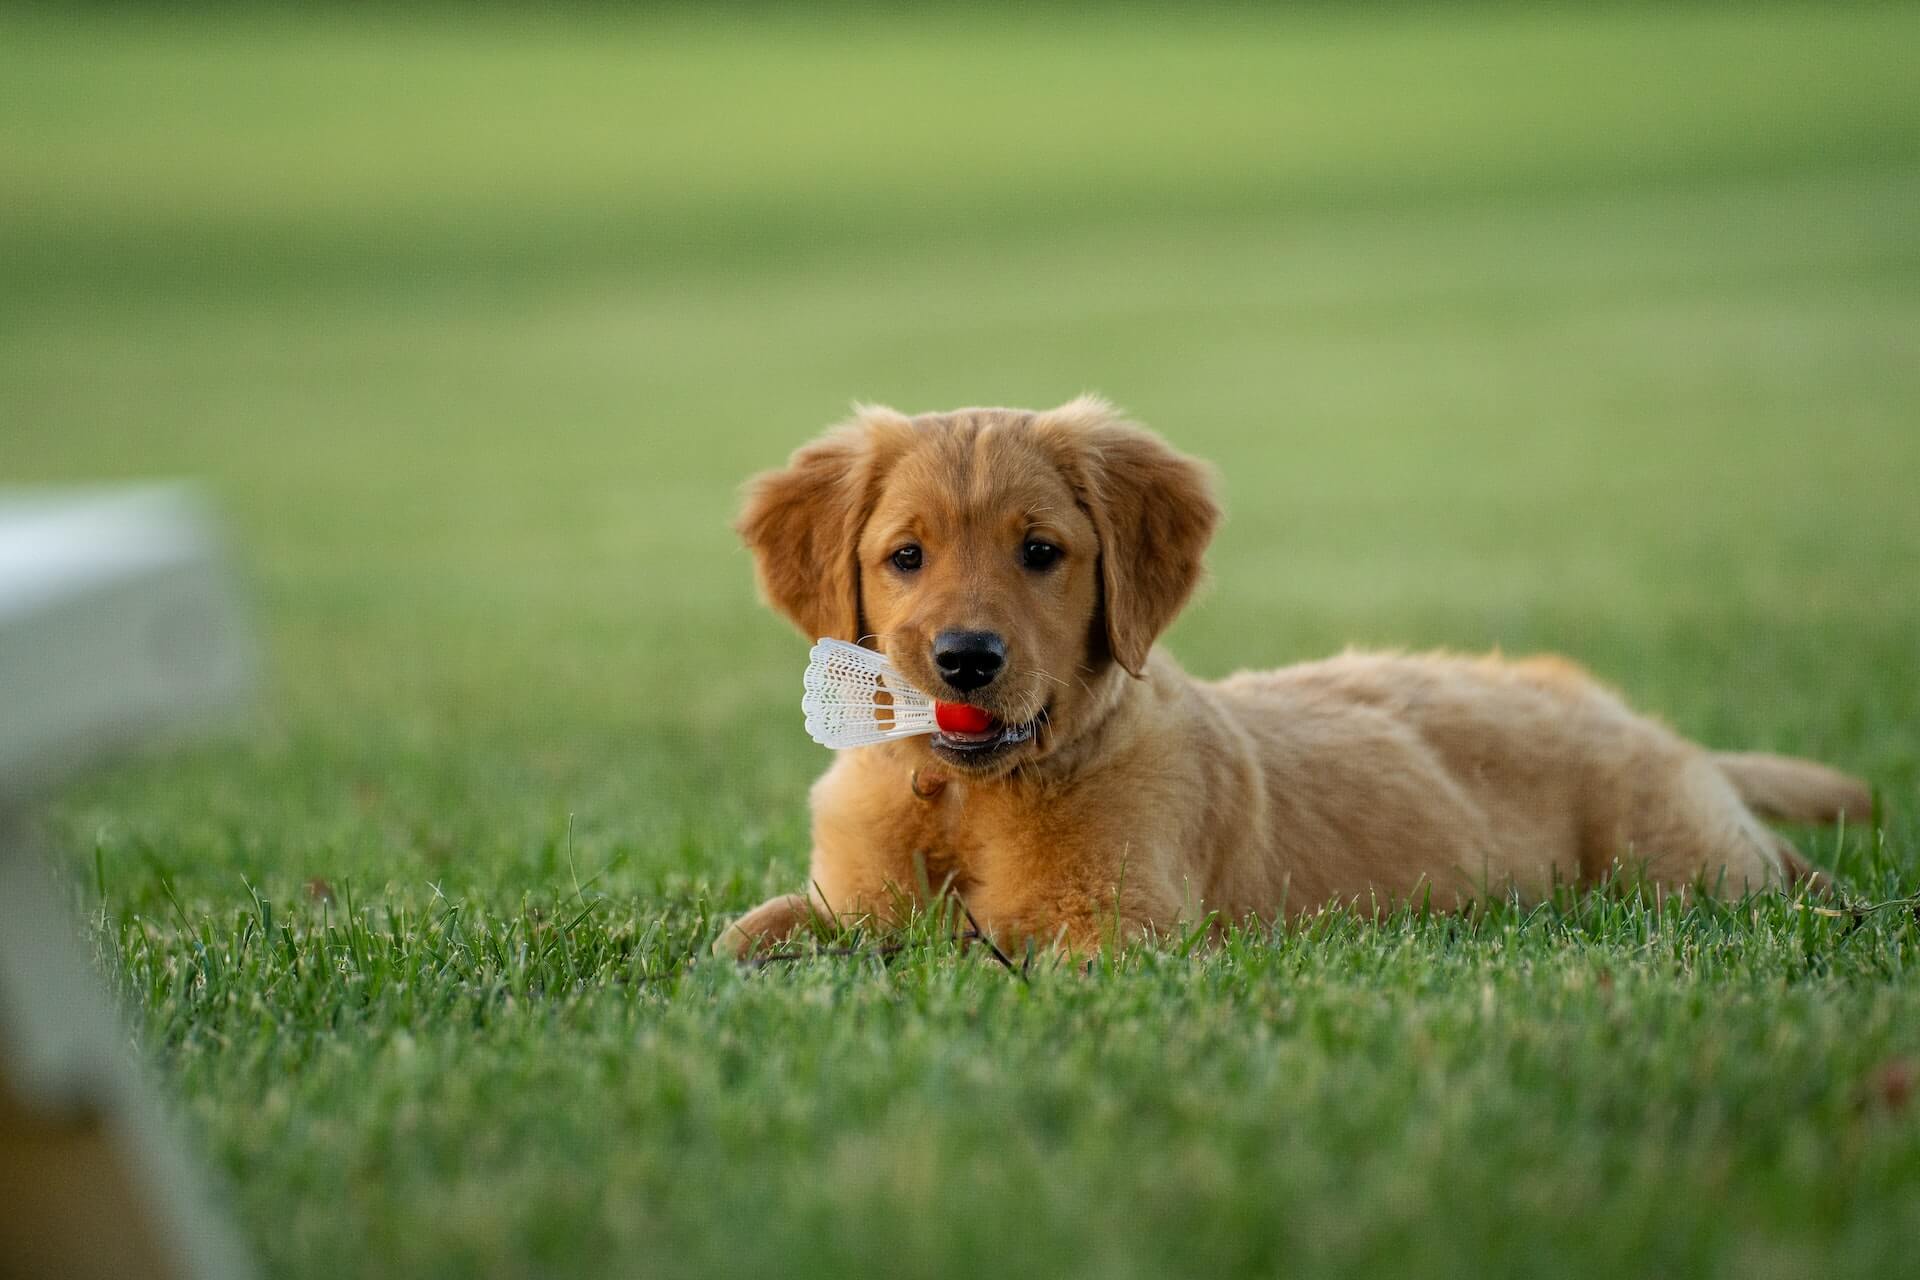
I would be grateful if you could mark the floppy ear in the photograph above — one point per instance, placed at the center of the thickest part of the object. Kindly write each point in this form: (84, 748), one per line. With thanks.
(1153, 510)
(803, 523)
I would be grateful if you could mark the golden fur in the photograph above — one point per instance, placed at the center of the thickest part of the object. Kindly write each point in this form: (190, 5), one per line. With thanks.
(1148, 798)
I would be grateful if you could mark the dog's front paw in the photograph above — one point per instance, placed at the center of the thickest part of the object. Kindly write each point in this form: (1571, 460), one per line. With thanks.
(770, 923)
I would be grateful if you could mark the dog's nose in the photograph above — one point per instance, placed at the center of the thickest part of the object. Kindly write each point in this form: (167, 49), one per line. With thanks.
(969, 660)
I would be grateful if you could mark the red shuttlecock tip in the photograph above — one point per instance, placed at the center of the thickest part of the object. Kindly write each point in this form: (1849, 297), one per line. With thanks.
(958, 717)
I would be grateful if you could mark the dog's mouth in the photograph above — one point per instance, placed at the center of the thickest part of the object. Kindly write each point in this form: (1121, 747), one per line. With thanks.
(996, 740)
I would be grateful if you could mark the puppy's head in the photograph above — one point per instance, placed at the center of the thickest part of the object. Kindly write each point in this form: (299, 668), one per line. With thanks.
(1007, 559)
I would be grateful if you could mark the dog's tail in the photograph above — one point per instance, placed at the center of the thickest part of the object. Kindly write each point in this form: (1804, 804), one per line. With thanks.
(1790, 790)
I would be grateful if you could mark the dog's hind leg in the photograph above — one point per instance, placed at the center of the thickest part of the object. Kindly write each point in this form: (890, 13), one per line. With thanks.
(1801, 874)
(1688, 826)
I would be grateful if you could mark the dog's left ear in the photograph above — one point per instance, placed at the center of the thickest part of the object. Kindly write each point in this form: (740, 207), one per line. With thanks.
(1153, 509)
(803, 522)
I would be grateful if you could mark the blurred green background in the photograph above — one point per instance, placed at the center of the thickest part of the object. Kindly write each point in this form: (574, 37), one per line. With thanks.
(1585, 328)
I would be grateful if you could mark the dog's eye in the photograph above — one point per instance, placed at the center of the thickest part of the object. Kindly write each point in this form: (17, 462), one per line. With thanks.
(1039, 555)
(907, 558)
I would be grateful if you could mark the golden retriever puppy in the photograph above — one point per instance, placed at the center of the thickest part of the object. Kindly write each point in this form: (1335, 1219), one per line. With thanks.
(1024, 563)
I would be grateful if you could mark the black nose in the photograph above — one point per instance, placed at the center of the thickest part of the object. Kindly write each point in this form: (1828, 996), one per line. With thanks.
(969, 660)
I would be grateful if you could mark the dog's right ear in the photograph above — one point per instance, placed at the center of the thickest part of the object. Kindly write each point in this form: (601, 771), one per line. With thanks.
(803, 523)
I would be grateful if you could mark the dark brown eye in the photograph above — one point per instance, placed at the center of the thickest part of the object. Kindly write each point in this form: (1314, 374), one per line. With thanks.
(1037, 554)
(907, 558)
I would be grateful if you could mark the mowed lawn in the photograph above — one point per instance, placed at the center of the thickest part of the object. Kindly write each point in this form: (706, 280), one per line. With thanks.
(1589, 332)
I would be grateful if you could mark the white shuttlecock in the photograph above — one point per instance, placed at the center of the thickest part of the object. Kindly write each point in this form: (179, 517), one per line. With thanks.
(855, 698)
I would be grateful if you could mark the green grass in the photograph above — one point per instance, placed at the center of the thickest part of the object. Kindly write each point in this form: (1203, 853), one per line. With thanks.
(1585, 331)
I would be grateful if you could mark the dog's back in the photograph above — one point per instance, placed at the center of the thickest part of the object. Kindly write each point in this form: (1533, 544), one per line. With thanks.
(1509, 775)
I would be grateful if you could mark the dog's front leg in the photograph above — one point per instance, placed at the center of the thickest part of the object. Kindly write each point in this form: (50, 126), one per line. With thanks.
(1077, 917)
(767, 925)
(885, 904)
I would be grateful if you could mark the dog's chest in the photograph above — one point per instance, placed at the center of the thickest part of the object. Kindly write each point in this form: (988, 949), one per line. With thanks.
(923, 831)
(942, 838)
(978, 841)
